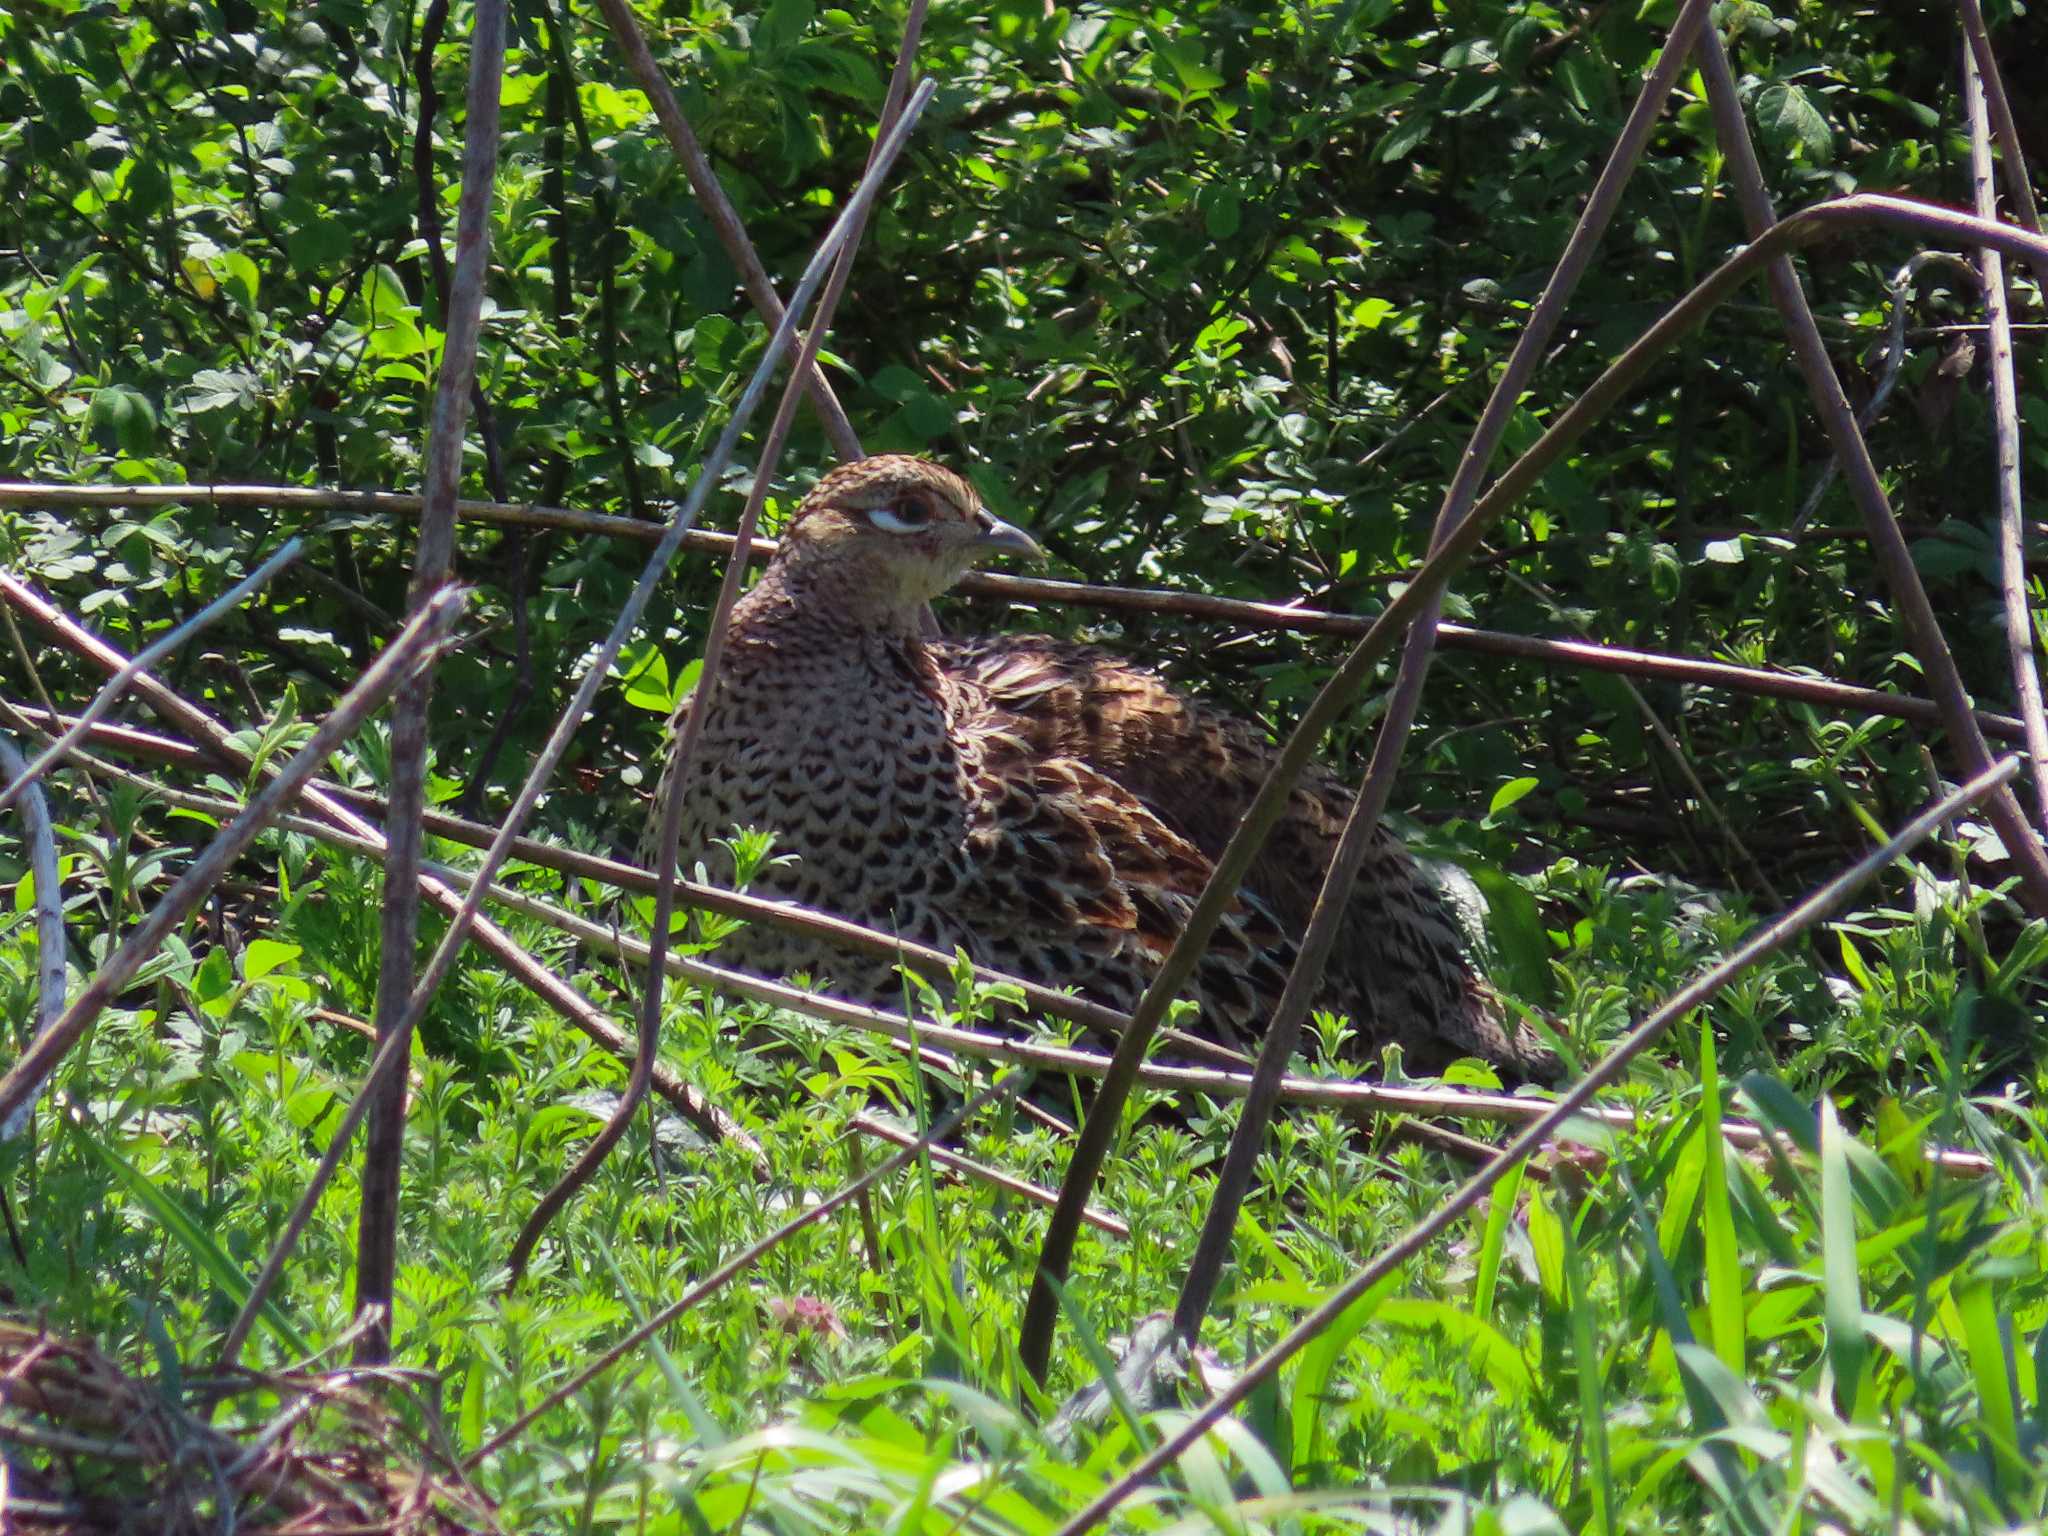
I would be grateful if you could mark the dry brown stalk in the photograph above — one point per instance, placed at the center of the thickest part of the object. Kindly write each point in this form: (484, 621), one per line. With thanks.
(718, 208)
(1240, 612)
(433, 558)
(2005, 426)
(1765, 940)
(1233, 1183)
(967, 1167)
(427, 627)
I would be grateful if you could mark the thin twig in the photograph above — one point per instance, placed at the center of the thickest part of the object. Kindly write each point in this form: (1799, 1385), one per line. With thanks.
(1888, 371)
(2018, 188)
(1591, 655)
(725, 219)
(837, 931)
(433, 557)
(1887, 541)
(742, 1260)
(2005, 424)
(636, 602)
(19, 1085)
(592, 1157)
(427, 200)
(556, 993)
(41, 838)
(144, 659)
(1042, 1310)
(967, 1167)
(1807, 227)
(1763, 942)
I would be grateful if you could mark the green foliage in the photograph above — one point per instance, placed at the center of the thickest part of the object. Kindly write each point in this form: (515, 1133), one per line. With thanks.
(1208, 296)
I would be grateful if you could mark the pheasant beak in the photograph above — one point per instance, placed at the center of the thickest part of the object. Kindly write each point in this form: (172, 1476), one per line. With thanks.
(1001, 538)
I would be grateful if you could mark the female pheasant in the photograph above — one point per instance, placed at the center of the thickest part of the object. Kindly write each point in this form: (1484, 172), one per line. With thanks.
(1046, 806)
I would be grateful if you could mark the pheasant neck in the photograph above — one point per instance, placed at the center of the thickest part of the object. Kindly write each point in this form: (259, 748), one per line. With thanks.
(840, 602)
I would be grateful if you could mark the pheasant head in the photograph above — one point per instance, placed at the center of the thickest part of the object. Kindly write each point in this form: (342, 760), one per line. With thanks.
(882, 536)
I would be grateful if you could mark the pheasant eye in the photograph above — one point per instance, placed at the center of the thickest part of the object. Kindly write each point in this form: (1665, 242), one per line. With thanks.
(904, 517)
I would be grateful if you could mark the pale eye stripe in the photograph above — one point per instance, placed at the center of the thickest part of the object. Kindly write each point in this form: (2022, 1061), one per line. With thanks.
(889, 520)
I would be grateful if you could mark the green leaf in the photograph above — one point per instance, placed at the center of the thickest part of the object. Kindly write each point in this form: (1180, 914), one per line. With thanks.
(189, 1234)
(1591, 1373)
(1725, 1310)
(1500, 1208)
(644, 671)
(1852, 962)
(241, 277)
(1222, 213)
(1992, 1369)
(1515, 931)
(215, 977)
(1318, 1363)
(1508, 794)
(1186, 74)
(389, 315)
(782, 24)
(1791, 123)
(122, 419)
(262, 956)
(1841, 1288)
(1547, 1240)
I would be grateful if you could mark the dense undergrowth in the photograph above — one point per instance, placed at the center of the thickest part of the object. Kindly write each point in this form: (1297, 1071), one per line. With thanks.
(1208, 297)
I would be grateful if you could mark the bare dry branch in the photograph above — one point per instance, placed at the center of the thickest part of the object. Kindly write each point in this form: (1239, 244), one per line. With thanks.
(19, 1085)
(725, 219)
(2005, 423)
(1042, 1310)
(1765, 941)
(41, 838)
(383, 1145)
(144, 659)
(2017, 186)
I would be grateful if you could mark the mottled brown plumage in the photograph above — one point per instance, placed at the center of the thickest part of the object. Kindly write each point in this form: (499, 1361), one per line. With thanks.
(1046, 806)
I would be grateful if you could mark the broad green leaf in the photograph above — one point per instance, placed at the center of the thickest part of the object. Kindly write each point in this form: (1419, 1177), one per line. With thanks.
(1789, 120)
(1841, 1287)
(1509, 793)
(122, 418)
(1725, 1303)
(644, 670)
(262, 956)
